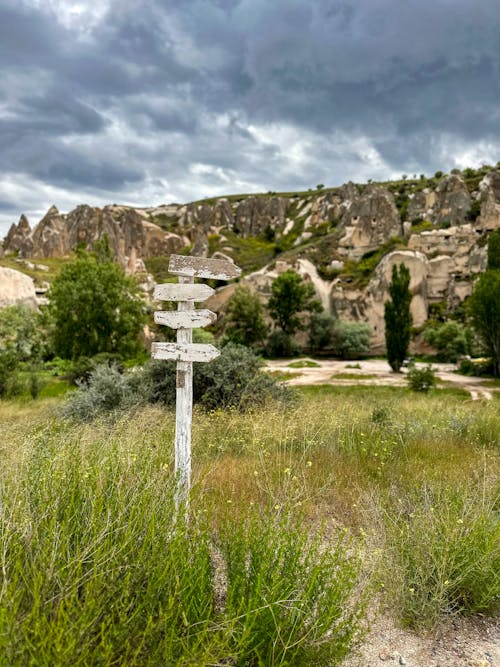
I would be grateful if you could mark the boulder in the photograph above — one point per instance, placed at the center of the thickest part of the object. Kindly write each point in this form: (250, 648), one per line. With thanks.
(16, 287)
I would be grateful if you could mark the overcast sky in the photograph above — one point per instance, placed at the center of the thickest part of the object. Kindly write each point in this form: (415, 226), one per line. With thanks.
(155, 101)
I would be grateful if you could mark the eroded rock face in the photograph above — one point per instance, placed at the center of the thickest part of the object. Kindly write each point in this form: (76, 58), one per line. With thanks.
(369, 222)
(50, 236)
(255, 215)
(449, 203)
(16, 287)
(489, 187)
(18, 238)
(459, 243)
(351, 303)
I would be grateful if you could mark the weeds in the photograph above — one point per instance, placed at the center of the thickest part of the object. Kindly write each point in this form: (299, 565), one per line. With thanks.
(444, 547)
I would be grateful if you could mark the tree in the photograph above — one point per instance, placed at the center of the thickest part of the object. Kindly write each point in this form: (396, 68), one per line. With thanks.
(321, 331)
(244, 317)
(485, 312)
(95, 308)
(398, 318)
(290, 296)
(494, 250)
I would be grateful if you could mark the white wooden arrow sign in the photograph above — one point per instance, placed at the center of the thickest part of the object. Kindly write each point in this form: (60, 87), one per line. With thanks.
(185, 319)
(186, 292)
(201, 267)
(186, 352)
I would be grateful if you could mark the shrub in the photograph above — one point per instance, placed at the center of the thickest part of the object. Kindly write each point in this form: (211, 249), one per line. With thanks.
(287, 599)
(351, 340)
(106, 390)
(8, 367)
(451, 340)
(234, 379)
(421, 379)
(281, 344)
(445, 549)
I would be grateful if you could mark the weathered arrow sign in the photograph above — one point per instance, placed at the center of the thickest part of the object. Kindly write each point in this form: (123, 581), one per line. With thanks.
(201, 267)
(185, 319)
(185, 292)
(184, 352)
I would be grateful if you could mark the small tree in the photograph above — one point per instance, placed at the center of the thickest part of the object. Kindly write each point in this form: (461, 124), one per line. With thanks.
(291, 295)
(244, 317)
(398, 318)
(321, 331)
(95, 308)
(485, 312)
(421, 379)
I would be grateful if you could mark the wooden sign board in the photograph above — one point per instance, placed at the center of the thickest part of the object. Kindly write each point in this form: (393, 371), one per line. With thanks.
(184, 352)
(201, 267)
(182, 292)
(185, 319)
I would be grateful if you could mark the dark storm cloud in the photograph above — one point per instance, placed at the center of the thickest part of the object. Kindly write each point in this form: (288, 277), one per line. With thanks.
(242, 93)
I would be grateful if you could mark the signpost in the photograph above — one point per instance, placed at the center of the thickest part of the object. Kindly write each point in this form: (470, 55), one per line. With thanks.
(184, 351)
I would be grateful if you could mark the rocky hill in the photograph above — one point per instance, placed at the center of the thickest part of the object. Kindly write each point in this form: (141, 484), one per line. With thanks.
(345, 240)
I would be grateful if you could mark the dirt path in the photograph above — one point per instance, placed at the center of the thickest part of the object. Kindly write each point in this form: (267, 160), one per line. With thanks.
(374, 372)
(473, 642)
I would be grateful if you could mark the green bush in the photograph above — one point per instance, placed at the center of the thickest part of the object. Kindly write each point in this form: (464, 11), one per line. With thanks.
(451, 340)
(421, 379)
(287, 599)
(280, 344)
(106, 390)
(8, 367)
(351, 340)
(235, 379)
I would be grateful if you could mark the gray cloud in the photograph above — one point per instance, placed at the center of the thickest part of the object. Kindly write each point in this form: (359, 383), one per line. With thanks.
(164, 100)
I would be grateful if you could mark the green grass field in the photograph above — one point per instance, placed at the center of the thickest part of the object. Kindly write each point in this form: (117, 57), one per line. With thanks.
(301, 518)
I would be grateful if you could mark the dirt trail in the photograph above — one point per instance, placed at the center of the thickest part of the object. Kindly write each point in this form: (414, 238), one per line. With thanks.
(374, 372)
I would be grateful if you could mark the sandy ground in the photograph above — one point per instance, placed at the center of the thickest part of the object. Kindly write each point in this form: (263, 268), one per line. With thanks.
(471, 642)
(325, 373)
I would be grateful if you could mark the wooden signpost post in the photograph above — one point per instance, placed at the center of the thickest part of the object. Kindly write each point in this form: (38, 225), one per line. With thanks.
(184, 351)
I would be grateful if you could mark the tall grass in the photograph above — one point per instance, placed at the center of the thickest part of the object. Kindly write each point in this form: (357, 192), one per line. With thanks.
(97, 569)
(444, 547)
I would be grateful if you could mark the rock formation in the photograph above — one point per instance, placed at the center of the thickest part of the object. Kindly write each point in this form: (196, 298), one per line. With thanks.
(322, 234)
(449, 203)
(368, 222)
